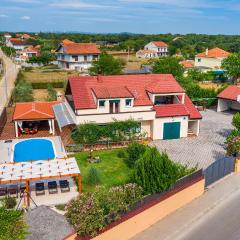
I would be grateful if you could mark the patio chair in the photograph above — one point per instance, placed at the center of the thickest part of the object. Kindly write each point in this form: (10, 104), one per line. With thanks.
(52, 187)
(64, 186)
(26, 130)
(39, 189)
(3, 191)
(12, 190)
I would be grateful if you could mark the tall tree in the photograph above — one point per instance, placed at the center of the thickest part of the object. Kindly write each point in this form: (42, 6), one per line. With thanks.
(107, 65)
(168, 65)
(232, 65)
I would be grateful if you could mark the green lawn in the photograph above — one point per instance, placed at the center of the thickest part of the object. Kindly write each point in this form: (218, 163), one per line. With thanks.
(113, 169)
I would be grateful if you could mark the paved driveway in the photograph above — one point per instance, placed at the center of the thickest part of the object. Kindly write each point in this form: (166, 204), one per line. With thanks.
(205, 149)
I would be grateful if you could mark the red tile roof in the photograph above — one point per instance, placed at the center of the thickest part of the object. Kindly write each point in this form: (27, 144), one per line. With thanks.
(137, 85)
(81, 48)
(34, 110)
(214, 53)
(66, 41)
(111, 92)
(230, 93)
(170, 110)
(187, 64)
(17, 41)
(160, 44)
(174, 110)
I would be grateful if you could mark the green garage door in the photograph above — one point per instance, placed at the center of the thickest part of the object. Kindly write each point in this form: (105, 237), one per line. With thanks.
(171, 130)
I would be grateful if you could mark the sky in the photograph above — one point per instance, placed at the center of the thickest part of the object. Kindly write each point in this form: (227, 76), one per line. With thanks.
(115, 16)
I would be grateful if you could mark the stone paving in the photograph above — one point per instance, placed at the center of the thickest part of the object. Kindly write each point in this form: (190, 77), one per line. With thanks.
(205, 149)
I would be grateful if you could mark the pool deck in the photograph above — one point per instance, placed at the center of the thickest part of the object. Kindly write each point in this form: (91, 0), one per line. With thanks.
(6, 149)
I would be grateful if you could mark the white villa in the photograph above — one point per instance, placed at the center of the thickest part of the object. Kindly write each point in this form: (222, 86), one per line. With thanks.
(76, 56)
(157, 101)
(16, 43)
(210, 59)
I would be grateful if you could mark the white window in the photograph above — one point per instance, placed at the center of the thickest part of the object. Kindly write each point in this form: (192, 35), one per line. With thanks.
(128, 102)
(101, 104)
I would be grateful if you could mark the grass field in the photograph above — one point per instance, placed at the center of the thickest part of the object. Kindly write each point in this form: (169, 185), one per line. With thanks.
(48, 76)
(211, 85)
(41, 94)
(112, 169)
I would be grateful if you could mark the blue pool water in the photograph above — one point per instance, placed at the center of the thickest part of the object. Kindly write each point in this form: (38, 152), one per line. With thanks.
(33, 150)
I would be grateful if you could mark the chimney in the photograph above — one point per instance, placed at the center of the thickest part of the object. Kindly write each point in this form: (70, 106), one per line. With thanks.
(206, 51)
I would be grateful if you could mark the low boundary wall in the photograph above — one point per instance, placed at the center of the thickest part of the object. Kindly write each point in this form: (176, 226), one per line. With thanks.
(152, 209)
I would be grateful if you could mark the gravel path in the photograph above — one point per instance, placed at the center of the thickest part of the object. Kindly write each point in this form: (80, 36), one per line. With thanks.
(205, 149)
(46, 224)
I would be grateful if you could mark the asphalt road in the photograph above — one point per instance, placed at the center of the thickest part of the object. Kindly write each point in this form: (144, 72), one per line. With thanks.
(223, 223)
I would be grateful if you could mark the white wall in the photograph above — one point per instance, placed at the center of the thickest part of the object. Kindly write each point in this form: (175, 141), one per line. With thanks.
(158, 125)
(223, 105)
(160, 50)
(194, 126)
(214, 63)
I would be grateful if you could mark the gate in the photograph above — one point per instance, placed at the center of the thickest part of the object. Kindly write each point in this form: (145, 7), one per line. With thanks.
(219, 169)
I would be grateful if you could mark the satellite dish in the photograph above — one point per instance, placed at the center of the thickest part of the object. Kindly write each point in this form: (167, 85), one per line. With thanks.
(238, 98)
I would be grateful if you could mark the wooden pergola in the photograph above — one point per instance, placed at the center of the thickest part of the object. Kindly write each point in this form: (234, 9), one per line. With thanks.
(39, 170)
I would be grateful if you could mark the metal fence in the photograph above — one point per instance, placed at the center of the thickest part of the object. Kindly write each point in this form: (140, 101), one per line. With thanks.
(219, 169)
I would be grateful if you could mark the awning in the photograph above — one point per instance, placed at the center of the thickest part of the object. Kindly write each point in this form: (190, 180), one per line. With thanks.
(36, 170)
(62, 114)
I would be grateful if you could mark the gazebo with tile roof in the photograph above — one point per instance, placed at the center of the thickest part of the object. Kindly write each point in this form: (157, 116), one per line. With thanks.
(34, 112)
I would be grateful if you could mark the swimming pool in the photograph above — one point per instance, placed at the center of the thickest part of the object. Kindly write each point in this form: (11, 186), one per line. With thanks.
(33, 150)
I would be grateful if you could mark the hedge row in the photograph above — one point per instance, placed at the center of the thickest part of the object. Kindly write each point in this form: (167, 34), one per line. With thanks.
(44, 85)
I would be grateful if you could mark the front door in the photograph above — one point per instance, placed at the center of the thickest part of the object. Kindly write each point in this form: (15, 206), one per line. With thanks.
(114, 106)
(171, 130)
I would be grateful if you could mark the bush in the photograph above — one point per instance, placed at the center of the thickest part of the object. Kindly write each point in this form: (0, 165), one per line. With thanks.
(44, 85)
(93, 176)
(91, 212)
(12, 225)
(9, 202)
(155, 172)
(134, 152)
(121, 154)
(52, 93)
(23, 92)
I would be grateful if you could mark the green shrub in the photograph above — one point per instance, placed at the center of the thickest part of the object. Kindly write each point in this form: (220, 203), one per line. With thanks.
(93, 176)
(9, 202)
(122, 153)
(12, 225)
(23, 92)
(44, 85)
(134, 152)
(155, 172)
(60, 207)
(52, 93)
(91, 212)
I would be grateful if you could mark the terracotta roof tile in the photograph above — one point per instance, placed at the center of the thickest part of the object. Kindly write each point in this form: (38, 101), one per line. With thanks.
(187, 64)
(17, 41)
(230, 93)
(81, 48)
(214, 53)
(34, 110)
(160, 44)
(137, 85)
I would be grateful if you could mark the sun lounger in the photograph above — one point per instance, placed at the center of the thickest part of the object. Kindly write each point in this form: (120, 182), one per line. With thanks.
(39, 189)
(64, 186)
(12, 190)
(3, 191)
(52, 187)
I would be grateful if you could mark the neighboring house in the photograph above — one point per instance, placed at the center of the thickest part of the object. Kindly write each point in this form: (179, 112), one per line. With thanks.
(27, 53)
(187, 64)
(153, 50)
(23, 35)
(7, 36)
(157, 101)
(16, 43)
(229, 99)
(76, 56)
(146, 54)
(210, 59)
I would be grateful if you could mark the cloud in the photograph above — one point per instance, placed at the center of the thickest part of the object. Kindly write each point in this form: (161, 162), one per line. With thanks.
(25, 18)
(3, 16)
(78, 5)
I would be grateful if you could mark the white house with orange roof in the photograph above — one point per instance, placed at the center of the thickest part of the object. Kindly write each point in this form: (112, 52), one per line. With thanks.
(156, 101)
(211, 59)
(153, 50)
(76, 56)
